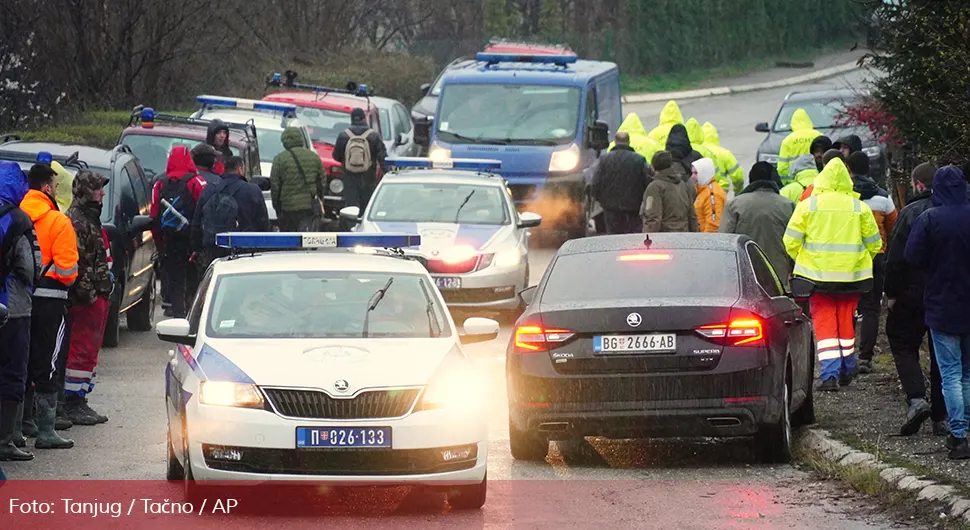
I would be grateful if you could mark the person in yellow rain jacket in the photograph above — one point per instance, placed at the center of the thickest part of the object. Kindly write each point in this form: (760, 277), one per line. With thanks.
(730, 175)
(639, 141)
(796, 144)
(711, 197)
(696, 136)
(833, 236)
(803, 170)
(669, 116)
(65, 185)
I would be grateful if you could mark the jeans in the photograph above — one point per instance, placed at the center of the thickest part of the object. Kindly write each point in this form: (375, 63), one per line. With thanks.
(953, 357)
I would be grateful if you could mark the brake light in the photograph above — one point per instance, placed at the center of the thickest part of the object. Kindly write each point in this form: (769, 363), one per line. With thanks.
(738, 332)
(644, 257)
(535, 338)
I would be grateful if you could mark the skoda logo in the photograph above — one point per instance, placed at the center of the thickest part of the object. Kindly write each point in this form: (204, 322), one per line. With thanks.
(341, 385)
(633, 319)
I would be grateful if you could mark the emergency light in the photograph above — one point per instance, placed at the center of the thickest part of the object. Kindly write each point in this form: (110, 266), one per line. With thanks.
(494, 58)
(44, 157)
(353, 89)
(247, 104)
(463, 164)
(314, 240)
(148, 117)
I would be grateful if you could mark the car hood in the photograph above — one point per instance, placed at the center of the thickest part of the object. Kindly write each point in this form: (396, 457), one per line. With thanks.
(426, 106)
(318, 363)
(325, 152)
(440, 236)
(772, 144)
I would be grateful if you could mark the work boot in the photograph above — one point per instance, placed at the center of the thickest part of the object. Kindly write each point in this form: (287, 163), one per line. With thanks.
(829, 385)
(846, 379)
(941, 428)
(8, 417)
(959, 448)
(18, 428)
(78, 411)
(61, 421)
(919, 411)
(47, 438)
(865, 366)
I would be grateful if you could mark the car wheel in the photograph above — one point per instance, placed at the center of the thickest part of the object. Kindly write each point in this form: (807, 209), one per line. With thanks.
(112, 329)
(174, 470)
(469, 497)
(142, 316)
(774, 441)
(526, 446)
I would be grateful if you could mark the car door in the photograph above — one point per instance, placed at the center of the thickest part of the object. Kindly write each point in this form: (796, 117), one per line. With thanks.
(126, 212)
(141, 272)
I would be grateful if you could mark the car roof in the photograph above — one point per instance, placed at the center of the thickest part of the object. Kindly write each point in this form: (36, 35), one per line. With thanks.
(342, 102)
(92, 156)
(339, 260)
(435, 176)
(659, 241)
(823, 95)
(526, 73)
(262, 119)
(179, 130)
(381, 102)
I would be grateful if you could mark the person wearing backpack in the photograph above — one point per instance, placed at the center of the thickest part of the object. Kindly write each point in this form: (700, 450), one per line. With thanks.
(173, 205)
(19, 267)
(361, 150)
(296, 184)
(231, 205)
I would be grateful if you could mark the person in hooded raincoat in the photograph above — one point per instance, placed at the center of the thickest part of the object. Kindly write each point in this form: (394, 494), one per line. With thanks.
(797, 143)
(65, 181)
(679, 146)
(695, 133)
(730, 175)
(669, 116)
(641, 144)
(710, 195)
(804, 170)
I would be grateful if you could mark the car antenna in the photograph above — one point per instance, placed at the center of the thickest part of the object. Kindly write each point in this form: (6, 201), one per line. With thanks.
(646, 240)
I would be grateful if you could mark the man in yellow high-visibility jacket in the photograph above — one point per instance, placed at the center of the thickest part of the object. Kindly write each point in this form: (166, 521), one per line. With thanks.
(729, 172)
(796, 144)
(833, 236)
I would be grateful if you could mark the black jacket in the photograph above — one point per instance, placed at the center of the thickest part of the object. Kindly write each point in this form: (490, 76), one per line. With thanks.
(904, 282)
(209, 176)
(215, 126)
(378, 151)
(678, 145)
(866, 187)
(620, 180)
(252, 215)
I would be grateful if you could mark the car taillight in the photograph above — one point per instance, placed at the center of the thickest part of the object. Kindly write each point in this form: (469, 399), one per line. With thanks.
(742, 330)
(531, 338)
(644, 256)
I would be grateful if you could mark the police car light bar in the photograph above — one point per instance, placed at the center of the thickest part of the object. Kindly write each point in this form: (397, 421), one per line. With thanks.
(44, 157)
(464, 164)
(353, 89)
(247, 104)
(314, 240)
(494, 58)
(148, 117)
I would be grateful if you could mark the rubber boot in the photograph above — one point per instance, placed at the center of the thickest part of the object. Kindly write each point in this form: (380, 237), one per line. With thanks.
(47, 438)
(18, 427)
(8, 417)
(27, 425)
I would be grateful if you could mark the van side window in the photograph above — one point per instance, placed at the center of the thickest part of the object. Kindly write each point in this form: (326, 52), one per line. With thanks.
(591, 106)
(608, 91)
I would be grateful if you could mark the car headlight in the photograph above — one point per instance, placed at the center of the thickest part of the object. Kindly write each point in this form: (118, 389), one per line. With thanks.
(873, 151)
(456, 385)
(507, 258)
(336, 186)
(765, 157)
(565, 160)
(225, 394)
(438, 153)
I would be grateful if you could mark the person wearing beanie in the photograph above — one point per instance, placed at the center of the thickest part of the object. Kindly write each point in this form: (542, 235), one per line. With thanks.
(804, 170)
(206, 158)
(760, 213)
(668, 202)
(826, 158)
(848, 145)
(905, 324)
(710, 195)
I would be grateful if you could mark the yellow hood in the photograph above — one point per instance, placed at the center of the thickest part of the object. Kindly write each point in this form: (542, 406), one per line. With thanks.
(801, 121)
(632, 125)
(834, 177)
(671, 114)
(710, 134)
(694, 132)
(65, 185)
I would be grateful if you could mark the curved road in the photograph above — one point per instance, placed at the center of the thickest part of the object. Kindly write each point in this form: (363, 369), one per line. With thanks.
(602, 484)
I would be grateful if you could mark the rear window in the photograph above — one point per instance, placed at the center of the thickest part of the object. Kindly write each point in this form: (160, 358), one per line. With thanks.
(153, 150)
(642, 274)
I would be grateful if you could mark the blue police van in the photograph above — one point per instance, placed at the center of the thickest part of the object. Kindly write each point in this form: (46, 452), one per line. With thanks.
(545, 117)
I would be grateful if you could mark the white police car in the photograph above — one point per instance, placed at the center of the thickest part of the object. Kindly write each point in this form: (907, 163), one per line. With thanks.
(475, 243)
(340, 365)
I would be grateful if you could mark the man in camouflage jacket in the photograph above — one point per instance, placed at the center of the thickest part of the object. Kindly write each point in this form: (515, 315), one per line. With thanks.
(89, 298)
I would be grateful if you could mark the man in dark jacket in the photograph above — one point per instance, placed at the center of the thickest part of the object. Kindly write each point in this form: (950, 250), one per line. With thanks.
(848, 145)
(905, 326)
(939, 245)
(250, 214)
(619, 182)
(762, 214)
(668, 202)
(360, 168)
(206, 158)
(679, 147)
(218, 137)
(296, 183)
(818, 148)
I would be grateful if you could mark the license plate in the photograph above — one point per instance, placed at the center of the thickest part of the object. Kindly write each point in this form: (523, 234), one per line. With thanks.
(337, 437)
(448, 283)
(655, 342)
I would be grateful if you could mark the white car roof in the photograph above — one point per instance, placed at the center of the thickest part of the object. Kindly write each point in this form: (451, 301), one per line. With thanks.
(338, 260)
(384, 103)
(434, 176)
(262, 120)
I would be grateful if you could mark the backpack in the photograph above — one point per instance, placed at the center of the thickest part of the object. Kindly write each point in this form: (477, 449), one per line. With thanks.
(357, 156)
(176, 216)
(221, 212)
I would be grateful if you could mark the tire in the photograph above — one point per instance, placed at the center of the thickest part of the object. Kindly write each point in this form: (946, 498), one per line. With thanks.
(141, 317)
(112, 329)
(525, 446)
(774, 441)
(469, 497)
(174, 470)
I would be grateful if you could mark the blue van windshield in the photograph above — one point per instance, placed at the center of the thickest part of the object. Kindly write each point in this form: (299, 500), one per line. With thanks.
(508, 114)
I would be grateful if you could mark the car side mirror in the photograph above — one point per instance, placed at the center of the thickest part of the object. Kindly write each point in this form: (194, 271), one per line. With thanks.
(528, 294)
(175, 330)
(478, 329)
(425, 88)
(762, 127)
(140, 223)
(262, 182)
(529, 220)
(598, 136)
(402, 139)
(350, 215)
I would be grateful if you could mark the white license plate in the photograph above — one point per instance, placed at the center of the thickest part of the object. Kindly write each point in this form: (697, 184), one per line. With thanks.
(448, 283)
(654, 342)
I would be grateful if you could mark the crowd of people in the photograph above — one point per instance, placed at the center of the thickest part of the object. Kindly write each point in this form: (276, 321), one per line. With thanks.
(835, 239)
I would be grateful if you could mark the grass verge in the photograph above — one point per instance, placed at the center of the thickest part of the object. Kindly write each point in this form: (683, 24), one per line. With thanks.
(99, 128)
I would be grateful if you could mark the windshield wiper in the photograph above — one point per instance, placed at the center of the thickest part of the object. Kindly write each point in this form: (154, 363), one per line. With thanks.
(434, 329)
(372, 304)
(463, 137)
(463, 203)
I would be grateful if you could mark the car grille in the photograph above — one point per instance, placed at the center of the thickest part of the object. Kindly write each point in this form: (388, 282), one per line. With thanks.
(478, 296)
(315, 404)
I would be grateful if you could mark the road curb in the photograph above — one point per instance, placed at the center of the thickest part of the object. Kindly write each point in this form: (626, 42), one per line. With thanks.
(648, 97)
(929, 494)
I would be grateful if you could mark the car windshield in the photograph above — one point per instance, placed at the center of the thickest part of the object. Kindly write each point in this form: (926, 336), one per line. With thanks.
(323, 304)
(152, 150)
(270, 144)
(508, 114)
(657, 274)
(324, 124)
(439, 203)
(824, 114)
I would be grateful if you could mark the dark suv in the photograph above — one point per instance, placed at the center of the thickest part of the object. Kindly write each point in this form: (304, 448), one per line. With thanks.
(125, 217)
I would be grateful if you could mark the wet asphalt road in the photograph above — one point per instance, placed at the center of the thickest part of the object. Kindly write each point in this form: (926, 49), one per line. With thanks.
(601, 484)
